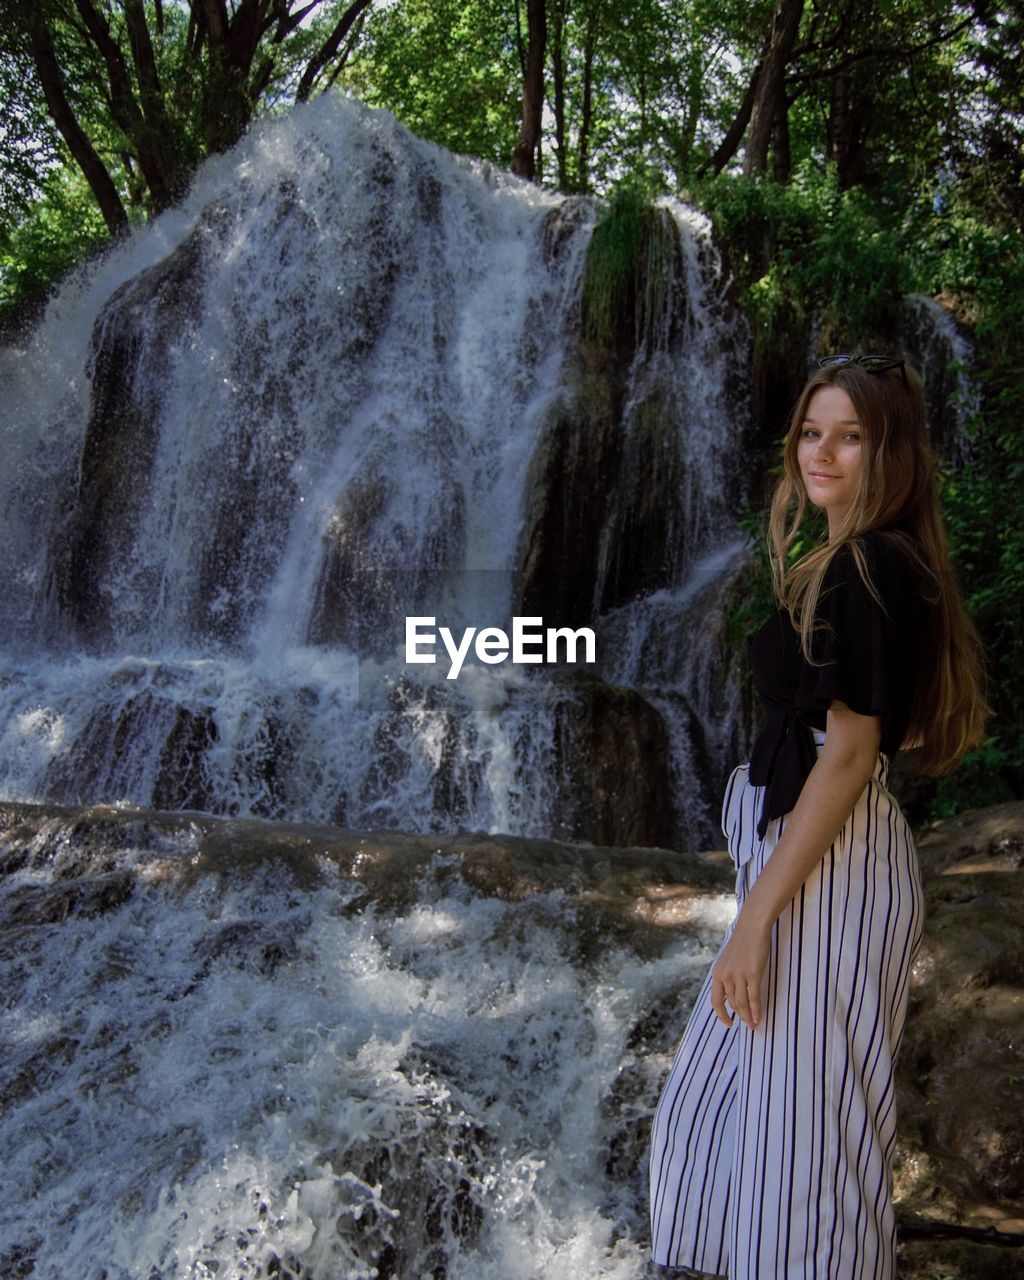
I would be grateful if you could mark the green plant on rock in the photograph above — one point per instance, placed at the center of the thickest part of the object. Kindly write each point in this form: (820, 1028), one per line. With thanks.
(628, 269)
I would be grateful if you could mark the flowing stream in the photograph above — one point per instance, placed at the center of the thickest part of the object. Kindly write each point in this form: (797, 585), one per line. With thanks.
(239, 1048)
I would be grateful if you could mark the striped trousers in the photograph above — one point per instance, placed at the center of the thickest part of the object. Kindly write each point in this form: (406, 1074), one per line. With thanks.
(771, 1150)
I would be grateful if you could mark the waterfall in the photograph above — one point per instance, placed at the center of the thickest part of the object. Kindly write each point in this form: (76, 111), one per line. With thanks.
(944, 356)
(243, 1049)
(341, 384)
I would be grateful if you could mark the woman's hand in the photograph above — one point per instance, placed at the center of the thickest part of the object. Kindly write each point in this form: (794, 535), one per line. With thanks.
(737, 973)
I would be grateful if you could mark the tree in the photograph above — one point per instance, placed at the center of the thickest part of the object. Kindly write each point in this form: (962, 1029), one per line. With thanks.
(29, 142)
(138, 92)
(524, 156)
(449, 69)
(141, 92)
(48, 69)
(768, 107)
(985, 138)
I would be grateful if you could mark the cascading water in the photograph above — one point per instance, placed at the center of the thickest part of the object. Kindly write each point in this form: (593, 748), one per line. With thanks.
(944, 356)
(345, 383)
(239, 1049)
(327, 393)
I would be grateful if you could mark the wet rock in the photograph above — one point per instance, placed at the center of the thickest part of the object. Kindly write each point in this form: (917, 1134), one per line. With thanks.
(143, 321)
(247, 944)
(41, 1069)
(348, 576)
(611, 760)
(17, 1261)
(958, 1260)
(942, 351)
(53, 904)
(572, 475)
(365, 588)
(601, 527)
(457, 779)
(961, 1066)
(561, 223)
(181, 780)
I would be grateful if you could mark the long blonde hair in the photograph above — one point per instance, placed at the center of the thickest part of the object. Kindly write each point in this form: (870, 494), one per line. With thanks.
(898, 493)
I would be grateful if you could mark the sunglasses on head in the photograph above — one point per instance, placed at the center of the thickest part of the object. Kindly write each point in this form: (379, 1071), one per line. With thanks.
(873, 364)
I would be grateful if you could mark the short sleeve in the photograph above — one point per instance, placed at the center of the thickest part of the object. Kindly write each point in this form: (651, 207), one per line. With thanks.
(853, 637)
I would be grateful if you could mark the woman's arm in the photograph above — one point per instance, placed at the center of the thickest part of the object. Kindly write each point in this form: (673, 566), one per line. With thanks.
(827, 799)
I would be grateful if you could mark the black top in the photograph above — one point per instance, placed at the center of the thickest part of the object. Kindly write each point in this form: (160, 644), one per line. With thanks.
(871, 663)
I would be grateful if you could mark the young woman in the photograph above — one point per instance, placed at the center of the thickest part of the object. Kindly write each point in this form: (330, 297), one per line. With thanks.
(772, 1144)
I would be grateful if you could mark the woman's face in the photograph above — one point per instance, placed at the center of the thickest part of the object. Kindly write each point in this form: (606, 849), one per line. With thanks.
(829, 453)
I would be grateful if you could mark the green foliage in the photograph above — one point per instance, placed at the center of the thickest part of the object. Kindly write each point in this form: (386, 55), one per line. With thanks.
(29, 141)
(748, 607)
(978, 268)
(626, 259)
(63, 228)
(808, 254)
(983, 777)
(808, 250)
(645, 83)
(656, 74)
(448, 70)
(757, 601)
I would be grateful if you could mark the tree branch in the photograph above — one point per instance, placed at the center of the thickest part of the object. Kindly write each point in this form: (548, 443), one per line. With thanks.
(142, 50)
(329, 48)
(527, 144)
(350, 44)
(81, 148)
(215, 15)
(244, 36)
(727, 147)
(764, 114)
(147, 126)
(123, 106)
(520, 42)
(881, 51)
(286, 21)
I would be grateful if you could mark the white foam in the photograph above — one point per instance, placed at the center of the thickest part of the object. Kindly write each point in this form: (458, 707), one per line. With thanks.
(229, 1069)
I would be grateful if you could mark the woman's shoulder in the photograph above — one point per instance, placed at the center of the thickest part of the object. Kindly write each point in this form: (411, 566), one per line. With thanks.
(894, 567)
(888, 552)
(889, 540)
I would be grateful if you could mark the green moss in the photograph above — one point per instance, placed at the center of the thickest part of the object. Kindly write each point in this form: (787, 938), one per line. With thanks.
(627, 271)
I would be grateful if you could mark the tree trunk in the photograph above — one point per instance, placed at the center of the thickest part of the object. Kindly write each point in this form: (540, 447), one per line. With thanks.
(558, 85)
(523, 157)
(769, 97)
(586, 117)
(329, 48)
(782, 161)
(226, 108)
(150, 145)
(733, 138)
(845, 135)
(688, 129)
(160, 138)
(64, 118)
